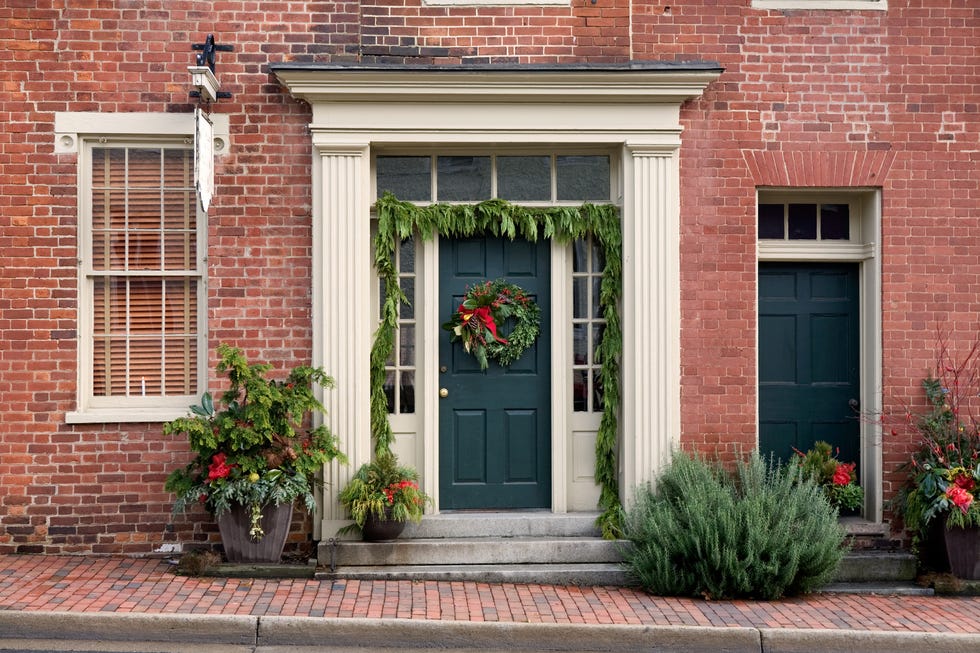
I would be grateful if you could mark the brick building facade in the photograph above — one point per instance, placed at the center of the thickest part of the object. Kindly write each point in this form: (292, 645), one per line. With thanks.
(850, 125)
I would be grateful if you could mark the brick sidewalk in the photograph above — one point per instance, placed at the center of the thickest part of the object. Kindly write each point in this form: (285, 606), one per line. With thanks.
(149, 586)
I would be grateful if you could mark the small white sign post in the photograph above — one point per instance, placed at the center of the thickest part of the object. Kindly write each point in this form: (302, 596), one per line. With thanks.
(203, 158)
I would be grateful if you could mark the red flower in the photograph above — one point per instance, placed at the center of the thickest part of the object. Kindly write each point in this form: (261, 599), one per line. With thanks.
(218, 468)
(960, 497)
(842, 475)
(965, 481)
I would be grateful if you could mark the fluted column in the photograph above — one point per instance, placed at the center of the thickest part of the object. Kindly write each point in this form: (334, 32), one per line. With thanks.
(650, 423)
(342, 308)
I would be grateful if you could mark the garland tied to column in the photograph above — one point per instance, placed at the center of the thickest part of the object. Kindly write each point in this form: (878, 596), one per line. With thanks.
(399, 220)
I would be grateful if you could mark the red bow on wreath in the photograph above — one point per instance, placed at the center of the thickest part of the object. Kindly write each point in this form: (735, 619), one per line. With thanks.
(486, 308)
(481, 313)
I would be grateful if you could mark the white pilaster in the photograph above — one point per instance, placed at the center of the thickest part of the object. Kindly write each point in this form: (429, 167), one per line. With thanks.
(650, 422)
(341, 309)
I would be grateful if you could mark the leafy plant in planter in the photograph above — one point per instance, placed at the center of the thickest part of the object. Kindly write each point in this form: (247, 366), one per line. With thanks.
(383, 490)
(837, 479)
(255, 448)
(945, 470)
(941, 496)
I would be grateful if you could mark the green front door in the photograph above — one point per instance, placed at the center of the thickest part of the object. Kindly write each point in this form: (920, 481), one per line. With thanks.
(494, 424)
(808, 358)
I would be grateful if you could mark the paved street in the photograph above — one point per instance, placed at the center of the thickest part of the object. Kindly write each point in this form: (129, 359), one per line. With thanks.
(128, 599)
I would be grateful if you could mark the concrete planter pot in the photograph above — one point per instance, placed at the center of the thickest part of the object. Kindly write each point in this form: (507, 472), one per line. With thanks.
(240, 547)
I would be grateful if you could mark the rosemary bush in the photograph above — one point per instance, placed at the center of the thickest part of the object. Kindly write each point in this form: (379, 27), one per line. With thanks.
(760, 531)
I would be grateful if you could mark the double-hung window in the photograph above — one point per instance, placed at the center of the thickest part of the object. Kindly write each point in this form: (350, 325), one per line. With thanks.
(142, 256)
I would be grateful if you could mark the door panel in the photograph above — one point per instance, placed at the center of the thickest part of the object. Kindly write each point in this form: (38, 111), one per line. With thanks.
(495, 424)
(809, 358)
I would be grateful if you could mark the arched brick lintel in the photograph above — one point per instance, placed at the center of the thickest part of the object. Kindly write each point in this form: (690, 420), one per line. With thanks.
(802, 169)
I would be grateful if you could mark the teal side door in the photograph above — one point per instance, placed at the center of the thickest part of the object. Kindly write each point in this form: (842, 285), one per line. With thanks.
(494, 424)
(809, 358)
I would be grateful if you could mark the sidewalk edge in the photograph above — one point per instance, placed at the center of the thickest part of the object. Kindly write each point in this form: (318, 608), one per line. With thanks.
(375, 634)
(129, 626)
(800, 640)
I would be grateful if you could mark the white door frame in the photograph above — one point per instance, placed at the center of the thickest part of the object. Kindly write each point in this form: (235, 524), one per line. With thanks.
(865, 250)
(634, 108)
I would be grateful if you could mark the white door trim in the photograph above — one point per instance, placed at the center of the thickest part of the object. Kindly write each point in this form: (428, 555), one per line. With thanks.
(864, 249)
(634, 108)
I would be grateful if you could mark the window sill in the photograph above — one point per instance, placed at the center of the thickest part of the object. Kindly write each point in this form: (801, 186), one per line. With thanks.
(110, 415)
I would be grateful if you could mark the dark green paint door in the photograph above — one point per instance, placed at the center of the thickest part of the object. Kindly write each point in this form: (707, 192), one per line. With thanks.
(808, 358)
(494, 424)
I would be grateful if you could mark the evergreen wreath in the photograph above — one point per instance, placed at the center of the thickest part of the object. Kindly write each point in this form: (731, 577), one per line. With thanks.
(485, 309)
(398, 220)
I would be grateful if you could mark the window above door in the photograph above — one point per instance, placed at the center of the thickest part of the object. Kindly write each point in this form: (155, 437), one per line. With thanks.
(807, 224)
(523, 178)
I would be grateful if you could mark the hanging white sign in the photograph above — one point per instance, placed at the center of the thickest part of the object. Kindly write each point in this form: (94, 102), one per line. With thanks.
(203, 158)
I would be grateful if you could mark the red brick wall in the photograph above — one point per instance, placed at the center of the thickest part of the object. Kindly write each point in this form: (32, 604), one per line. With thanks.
(897, 90)
(882, 99)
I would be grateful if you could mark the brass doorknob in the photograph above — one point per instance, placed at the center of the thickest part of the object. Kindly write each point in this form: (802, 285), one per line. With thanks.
(443, 392)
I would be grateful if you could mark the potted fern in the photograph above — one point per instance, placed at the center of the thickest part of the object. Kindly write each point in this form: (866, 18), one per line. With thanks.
(381, 497)
(256, 454)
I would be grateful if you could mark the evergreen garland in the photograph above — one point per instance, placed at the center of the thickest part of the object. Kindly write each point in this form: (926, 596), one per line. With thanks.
(399, 220)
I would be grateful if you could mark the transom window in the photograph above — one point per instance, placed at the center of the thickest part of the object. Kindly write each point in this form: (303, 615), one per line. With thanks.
(515, 178)
(804, 221)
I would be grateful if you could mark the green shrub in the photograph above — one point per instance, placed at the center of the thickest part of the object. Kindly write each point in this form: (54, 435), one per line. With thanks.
(758, 532)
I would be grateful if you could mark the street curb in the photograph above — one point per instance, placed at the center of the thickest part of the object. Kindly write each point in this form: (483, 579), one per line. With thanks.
(130, 627)
(406, 634)
(424, 634)
(798, 640)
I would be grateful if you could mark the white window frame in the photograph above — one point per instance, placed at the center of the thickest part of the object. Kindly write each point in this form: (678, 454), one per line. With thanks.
(814, 5)
(78, 133)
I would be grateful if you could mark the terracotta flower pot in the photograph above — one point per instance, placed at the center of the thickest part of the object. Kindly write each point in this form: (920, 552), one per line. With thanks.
(963, 548)
(240, 547)
(380, 530)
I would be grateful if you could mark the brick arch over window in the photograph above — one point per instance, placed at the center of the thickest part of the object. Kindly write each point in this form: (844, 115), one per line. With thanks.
(802, 169)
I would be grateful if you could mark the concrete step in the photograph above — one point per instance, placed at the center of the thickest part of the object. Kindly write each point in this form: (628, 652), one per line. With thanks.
(876, 566)
(526, 546)
(479, 551)
(901, 589)
(869, 536)
(859, 572)
(524, 523)
(546, 574)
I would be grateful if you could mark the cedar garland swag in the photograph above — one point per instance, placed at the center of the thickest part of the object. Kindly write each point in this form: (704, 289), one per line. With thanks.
(398, 220)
